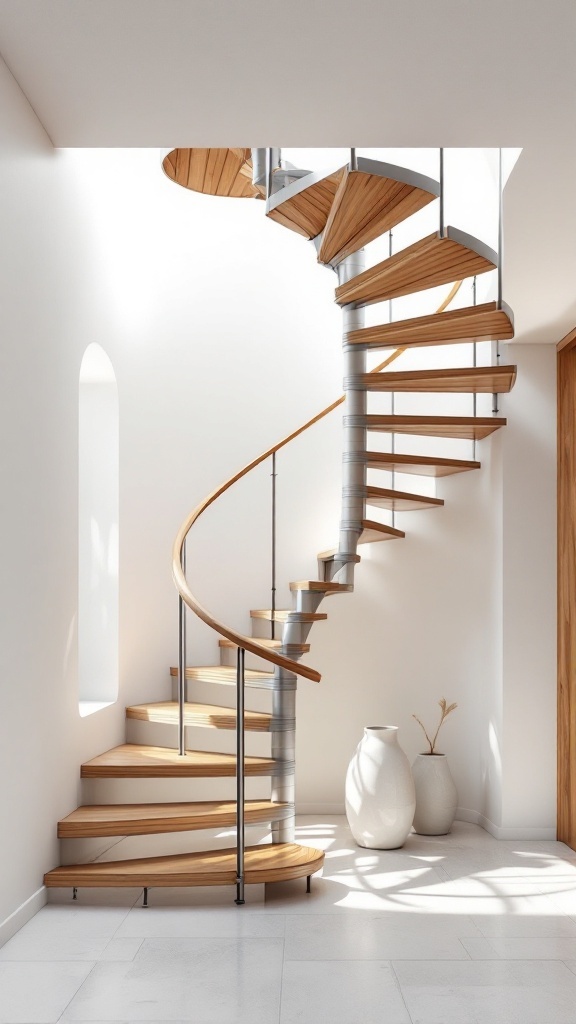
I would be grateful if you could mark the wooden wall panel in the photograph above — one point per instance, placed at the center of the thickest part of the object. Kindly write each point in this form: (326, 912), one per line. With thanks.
(567, 593)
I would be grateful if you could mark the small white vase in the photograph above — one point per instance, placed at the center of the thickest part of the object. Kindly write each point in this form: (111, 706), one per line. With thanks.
(436, 795)
(380, 796)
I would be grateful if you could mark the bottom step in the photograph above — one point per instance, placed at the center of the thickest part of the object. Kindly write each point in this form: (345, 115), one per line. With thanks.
(278, 862)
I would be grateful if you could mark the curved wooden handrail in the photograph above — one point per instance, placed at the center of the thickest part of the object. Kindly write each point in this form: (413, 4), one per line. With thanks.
(247, 642)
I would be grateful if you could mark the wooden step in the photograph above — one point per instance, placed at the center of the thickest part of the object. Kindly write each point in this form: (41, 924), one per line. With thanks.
(420, 465)
(286, 615)
(138, 760)
(275, 645)
(304, 205)
(471, 428)
(371, 200)
(399, 501)
(467, 379)
(454, 326)
(272, 863)
(320, 587)
(152, 819)
(429, 262)
(374, 532)
(224, 674)
(215, 172)
(335, 555)
(210, 716)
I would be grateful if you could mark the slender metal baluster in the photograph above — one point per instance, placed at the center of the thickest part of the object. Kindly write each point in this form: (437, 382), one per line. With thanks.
(273, 474)
(392, 395)
(474, 363)
(181, 660)
(353, 160)
(240, 836)
(500, 261)
(269, 172)
(441, 193)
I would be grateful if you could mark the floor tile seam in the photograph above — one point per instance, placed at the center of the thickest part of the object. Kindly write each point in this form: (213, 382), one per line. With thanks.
(83, 982)
(400, 991)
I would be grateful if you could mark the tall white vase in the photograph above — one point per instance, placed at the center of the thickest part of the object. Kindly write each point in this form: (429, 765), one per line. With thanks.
(436, 795)
(380, 797)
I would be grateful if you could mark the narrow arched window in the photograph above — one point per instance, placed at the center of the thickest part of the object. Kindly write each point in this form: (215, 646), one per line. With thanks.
(98, 486)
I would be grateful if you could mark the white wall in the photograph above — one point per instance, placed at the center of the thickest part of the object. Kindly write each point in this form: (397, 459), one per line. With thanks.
(224, 336)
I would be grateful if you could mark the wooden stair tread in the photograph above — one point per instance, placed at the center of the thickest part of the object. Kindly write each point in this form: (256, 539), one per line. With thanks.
(138, 760)
(286, 615)
(427, 263)
(272, 863)
(221, 674)
(420, 465)
(369, 201)
(304, 205)
(321, 587)
(152, 819)
(473, 323)
(207, 715)
(373, 532)
(399, 501)
(478, 379)
(471, 428)
(275, 645)
(215, 172)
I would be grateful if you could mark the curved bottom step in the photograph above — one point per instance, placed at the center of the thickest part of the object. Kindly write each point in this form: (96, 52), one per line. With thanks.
(278, 862)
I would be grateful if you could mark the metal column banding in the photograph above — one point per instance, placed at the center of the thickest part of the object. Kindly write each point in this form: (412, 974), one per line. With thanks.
(181, 661)
(240, 829)
(353, 437)
(283, 748)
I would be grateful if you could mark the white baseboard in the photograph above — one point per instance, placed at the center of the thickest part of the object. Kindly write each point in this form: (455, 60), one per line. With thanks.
(499, 832)
(19, 918)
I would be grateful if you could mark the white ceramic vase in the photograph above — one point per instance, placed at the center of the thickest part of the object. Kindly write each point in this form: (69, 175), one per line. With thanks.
(436, 795)
(380, 796)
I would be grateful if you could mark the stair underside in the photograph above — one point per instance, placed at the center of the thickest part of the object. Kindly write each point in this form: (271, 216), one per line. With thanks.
(286, 615)
(205, 715)
(429, 262)
(455, 326)
(273, 863)
(138, 760)
(215, 172)
(478, 379)
(304, 205)
(420, 465)
(321, 587)
(152, 819)
(368, 204)
(373, 532)
(399, 501)
(471, 428)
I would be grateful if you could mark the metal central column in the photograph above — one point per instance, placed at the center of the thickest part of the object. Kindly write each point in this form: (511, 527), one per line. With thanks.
(354, 432)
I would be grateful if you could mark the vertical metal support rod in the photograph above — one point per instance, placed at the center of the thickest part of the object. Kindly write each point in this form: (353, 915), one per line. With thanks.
(474, 363)
(74, 893)
(441, 151)
(273, 602)
(240, 835)
(353, 160)
(145, 900)
(392, 395)
(181, 660)
(500, 228)
(308, 883)
(269, 172)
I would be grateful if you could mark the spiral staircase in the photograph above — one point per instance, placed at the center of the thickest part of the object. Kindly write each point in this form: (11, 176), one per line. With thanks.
(340, 212)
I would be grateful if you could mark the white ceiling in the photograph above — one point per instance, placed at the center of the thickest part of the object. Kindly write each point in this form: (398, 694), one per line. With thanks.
(329, 73)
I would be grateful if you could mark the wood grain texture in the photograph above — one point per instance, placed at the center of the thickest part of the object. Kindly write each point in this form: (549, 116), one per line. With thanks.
(215, 172)
(221, 674)
(365, 206)
(399, 501)
(320, 587)
(275, 644)
(471, 428)
(454, 326)
(468, 379)
(307, 211)
(567, 595)
(274, 863)
(138, 760)
(285, 616)
(429, 262)
(373, 532)
(568, 341)
(420, 465)
(153, 819)
(209, 716)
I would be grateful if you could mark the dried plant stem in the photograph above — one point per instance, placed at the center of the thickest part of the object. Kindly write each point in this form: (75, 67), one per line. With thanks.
(445, 709)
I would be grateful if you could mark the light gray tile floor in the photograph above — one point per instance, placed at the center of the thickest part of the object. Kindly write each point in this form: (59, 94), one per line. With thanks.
(458, 929)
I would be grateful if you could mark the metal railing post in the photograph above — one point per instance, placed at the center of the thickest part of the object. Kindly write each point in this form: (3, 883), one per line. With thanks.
(500, 261)
(273, 588)
(441, 151)
(240, 832)
(353, 160)
(392, 395)
(474, 363)
(181, 660)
